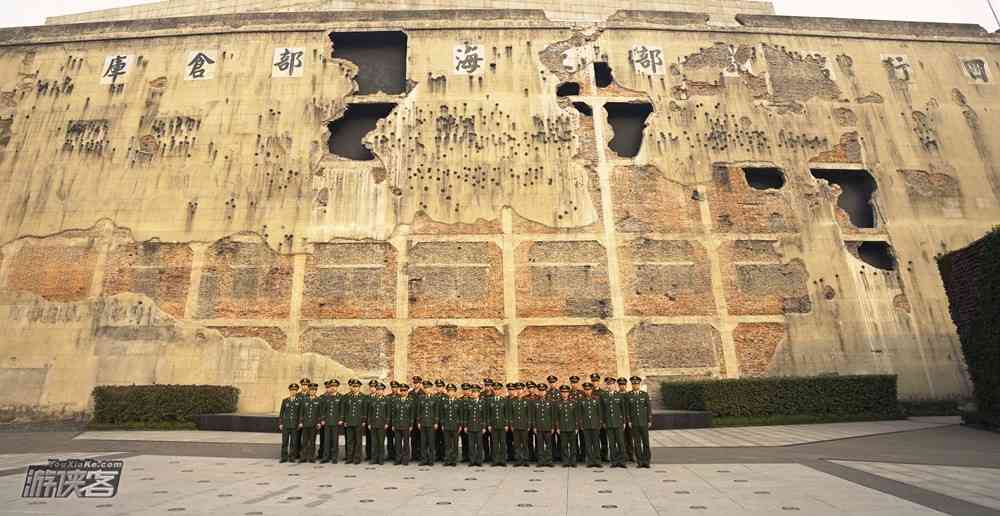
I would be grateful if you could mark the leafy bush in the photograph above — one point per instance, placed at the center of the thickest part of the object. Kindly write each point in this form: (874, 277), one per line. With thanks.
(122, 404)
(972, 280)
(871, 396)
(931, 407)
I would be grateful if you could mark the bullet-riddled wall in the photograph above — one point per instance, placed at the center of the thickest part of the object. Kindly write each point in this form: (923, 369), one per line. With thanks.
(251, 199)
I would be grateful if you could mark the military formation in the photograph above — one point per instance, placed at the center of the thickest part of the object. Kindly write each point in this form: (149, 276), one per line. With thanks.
(493, 423)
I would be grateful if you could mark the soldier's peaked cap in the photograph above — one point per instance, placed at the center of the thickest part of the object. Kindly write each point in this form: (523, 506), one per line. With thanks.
(588, 386)
(373, 383)
(594, 377)
(354, 381)
(574, 379)
(622, 381)
(564, 388)
(552, 379)
(293, 387)
(380, 386)
(465, 386)
(428, 383)
(335, 382)
(487, 381)
(541, 387)
(404, 386)
(328, 383)
(393, 383)
(609, 379)
(416, 379)
(304, 380)
(452, 387)
(510, 385)
(439, 383)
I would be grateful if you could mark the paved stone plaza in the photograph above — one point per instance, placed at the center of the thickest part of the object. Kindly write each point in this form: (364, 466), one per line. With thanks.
(922, 466)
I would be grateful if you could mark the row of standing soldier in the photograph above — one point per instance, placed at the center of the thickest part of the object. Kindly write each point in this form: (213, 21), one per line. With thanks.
(513, 423)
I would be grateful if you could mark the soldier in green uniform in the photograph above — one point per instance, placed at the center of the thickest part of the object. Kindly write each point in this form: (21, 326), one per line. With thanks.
(309, 421)
(354, 406)
(510, 431)
(627, 433)
(601, 393)
(440, 396)
(427, 424)
(640, 415)
(577, 394)
(302, 396)
(487, 396)
(545, 427)
(474, 424)
(552, 394)
(521, 422)
(331, 421)
(402, 414)
(591, 418)
(499, 424)
(378, 423)
(451, 424)
(288, 424)
(415, 394)
(390, 438)
(529, 393)
(463, 437)
(566, 424)
(614, 424)
(372, 385)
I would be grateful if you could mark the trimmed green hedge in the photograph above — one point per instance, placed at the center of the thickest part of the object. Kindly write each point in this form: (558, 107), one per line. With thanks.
(121, 404)
(871, 396)
(972, 280)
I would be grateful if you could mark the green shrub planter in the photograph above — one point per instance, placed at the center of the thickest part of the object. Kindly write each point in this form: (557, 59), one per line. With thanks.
(152, 405)
(825, 397)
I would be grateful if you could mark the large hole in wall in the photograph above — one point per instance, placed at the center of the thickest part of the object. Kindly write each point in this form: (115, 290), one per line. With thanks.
(628, 120)
(583, 108)
(602, 74)
(568, 89)
(764, 178)
(380, 56)
(347, 131)
(857, 188)
(876, 254)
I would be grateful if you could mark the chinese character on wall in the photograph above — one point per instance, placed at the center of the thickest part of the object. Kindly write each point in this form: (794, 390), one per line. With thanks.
(116, 68)
(646, 59)
(288, 62)
(899, 68)
(468, 59)
(977, 70)
(200, 65)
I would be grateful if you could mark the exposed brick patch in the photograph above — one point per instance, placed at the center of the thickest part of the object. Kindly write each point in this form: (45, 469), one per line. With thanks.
(275, 337)
(61, 272)
(763, 288)
(756, 250)
(565, 351)
(845, 117)
(562, 279)
(739, 208)
(646, 200)
(847, 151)
(755, 346)
(350, 281)
(455, 279)
(424, 225)
(666, 277)
(674, 346)
(796, 77)
(160, 271)
(366, 351)
(922, 185)
(457, 354)
(244, 280)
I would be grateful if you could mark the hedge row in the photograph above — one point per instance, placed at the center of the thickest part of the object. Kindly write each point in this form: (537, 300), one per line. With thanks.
(972, 280)
(121, 404)
(873, 396)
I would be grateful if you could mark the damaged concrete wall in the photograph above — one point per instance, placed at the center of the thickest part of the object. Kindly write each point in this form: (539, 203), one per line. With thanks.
(186, 221)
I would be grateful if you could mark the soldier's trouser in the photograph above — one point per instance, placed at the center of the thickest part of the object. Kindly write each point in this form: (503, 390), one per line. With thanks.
(451, 446)
(556, 447)
(640, 442)
(440, 446)
(592, 438)
(402, 436)
(331, 443)
(488, 446)
(289, 443)
(416, 444)
(427, 452)
(499, 446)
(368, 443)
(299, 444)
(568, 441)
(475, 440)
(322, 442)
(509, 437)
(543, 441)
(604, 444)
(352, 444)
(629, 449)
(616, 445)
(521, 446)
(378, 444)
(390, 443)
(581, 446)
(308, 444)
(532, 450)
(464, 437)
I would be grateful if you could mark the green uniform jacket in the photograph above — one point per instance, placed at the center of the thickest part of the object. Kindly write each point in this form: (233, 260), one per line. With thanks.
(576, 395)
(474, 418)
(499, 412)
(552, 395)
(638, 409)
(521, 414)
(451, 414)
(329, 409)
(545, 414)
(354, 409)
(614, 409)
(427, 411)
(589, 413)
(378, 411)
(310, 412)
(402, 411)
(566, 415)
(289, 413)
